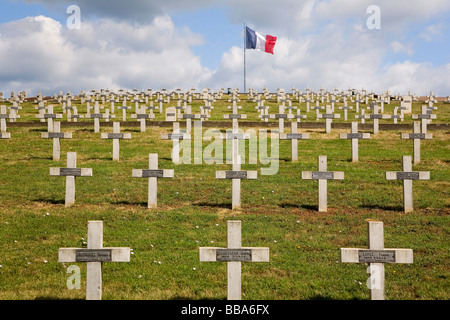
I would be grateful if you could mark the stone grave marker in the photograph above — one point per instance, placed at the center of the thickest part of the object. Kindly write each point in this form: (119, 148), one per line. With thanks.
(234, 254)
(56, 135)
(329, 116)
(407, 103)
(407, 175)
(141, 116)
(49, 116)
(323, 176)
(294, 136)
(116, 136)
(425, 117)
(236, 174)
(176, 136)
(71, 172)
(416, 136)
(94, 255)
(375, 116)
(152, 173)
(354, 136)
(376, 256)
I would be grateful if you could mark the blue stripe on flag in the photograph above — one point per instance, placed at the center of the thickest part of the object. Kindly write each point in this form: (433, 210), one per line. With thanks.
(250, 38)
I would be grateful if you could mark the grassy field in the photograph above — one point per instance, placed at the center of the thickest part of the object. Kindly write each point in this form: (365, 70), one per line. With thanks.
(278, 211)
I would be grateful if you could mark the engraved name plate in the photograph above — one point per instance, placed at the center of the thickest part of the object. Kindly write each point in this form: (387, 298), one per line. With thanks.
(234, 116)
(70, 172)
(407, 176)
(225, 255)
(376, 256)
(376, 116)
(328, 116)
(148, 173)
(354, 135)
(96, 116)
(235, 174)
(56, 135)
(281, 116)
(322, 175)
(417, 135)
(294, 135)
(115, 135)
(93, 255)
(175, 136)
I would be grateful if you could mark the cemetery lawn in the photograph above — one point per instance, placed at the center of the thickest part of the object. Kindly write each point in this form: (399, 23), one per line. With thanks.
(278, 211)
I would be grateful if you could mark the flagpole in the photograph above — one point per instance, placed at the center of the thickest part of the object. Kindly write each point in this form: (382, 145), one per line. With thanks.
(245, 43)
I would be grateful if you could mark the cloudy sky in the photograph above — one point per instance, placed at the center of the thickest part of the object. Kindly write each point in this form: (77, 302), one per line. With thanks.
(198, 43)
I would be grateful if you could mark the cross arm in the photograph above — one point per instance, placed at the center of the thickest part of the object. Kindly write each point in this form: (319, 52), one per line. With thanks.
(77, 172)
(412, 175)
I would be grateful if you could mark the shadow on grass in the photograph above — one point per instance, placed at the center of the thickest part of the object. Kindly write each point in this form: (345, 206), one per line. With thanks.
(304, 206)
(51, 201)
(226, 205)
(386, 208)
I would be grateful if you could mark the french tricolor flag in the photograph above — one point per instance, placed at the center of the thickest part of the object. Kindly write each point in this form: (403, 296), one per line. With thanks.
(258, 41)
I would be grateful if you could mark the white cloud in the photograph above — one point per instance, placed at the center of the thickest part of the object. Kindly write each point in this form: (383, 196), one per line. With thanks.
(38, 54)
(398, 47)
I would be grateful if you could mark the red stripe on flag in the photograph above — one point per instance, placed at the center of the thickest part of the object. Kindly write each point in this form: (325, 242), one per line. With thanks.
(270, 43)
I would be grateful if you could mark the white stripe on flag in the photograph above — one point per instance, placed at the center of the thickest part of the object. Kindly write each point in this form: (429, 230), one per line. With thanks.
(260, 41)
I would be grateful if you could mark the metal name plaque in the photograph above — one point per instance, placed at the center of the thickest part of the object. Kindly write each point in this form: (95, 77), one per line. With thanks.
(231, 136)
(56, 135)
(76, 172)
(376, 116)
(148, 173)
(235, 174)
(424, 116)
(188, 116)
(323, 175)
(417, 135)
(115, 135)
(170, 114)
(354, 135)
(142, 116)
(234, 116)
(407, 176)
(96, 116)
(93, 255)
(376, 256)
(328, 116)
(49, 116)
(225, 255)
(175, 136)
(294, 135)
(281, 116)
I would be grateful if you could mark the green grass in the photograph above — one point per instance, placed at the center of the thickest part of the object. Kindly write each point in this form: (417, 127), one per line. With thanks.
(278, 211)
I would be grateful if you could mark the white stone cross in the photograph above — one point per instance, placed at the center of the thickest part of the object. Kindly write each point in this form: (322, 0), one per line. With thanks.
(234, 254)
(354, 136)
(124, 109)
(97, 116)
(49, 116)
(375, 116)
(407, 175)
(345, 108)
(328, 116)
(153, 173)
(3, 117)
(70, 172)
(176, 136)
(141, 116)
(425, 117)
(323, 176)
(56, 135)
(294, 136)
(377, 255)
(236, 174)
(116, 136)
(416, 136)
(281, 116)
(94, 255)
(188, 115)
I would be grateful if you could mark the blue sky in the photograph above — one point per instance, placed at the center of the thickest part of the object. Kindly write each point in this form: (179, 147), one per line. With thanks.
(199, 43)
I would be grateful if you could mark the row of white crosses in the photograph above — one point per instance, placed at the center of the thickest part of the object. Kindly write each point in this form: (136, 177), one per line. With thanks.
(376, 255)
(71, 172)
